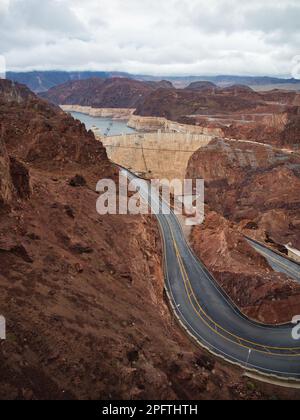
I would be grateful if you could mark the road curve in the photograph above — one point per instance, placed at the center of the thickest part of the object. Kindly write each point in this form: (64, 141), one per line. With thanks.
(278, 262)
(208, 315)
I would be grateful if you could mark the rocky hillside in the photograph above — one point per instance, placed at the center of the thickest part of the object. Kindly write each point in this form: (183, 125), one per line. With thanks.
(86, 315)
(241, 113)
(208, 87)
(178, 103)
(103, 93)
(38, 132)
(6, 188)
(271, 124)
(254, 190)
(269, 117)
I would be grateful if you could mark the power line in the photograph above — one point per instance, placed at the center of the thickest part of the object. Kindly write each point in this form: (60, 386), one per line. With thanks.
(188, 151)
(150, 149)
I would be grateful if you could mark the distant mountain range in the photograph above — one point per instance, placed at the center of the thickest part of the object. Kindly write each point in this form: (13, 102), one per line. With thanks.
(113, 92)
(41, 81)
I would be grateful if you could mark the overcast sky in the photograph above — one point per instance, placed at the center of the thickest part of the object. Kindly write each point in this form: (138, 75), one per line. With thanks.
(174, 37)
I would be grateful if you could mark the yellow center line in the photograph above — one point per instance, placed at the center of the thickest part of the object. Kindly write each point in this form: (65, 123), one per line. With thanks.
(188, 287)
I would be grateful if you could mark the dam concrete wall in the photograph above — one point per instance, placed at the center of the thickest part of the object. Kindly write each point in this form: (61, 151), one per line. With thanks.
(155, 155)
(158, 123)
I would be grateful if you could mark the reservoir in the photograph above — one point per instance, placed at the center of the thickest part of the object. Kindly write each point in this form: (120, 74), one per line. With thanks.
(105, 125)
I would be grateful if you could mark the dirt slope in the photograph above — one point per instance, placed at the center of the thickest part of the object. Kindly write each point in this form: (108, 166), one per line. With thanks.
(83, 294)
(254, 190)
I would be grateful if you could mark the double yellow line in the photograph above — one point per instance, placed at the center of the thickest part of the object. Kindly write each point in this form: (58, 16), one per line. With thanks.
(200, 312)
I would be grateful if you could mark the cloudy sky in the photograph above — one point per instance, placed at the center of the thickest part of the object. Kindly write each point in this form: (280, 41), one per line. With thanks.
(174, 37)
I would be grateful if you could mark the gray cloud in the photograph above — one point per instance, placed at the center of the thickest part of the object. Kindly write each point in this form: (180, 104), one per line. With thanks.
(48, 16)
(152, 36)
(276, 17)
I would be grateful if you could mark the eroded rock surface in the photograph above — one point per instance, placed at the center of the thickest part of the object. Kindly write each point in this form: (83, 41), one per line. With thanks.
(83, 294)
(103, 93)
(254, 190)
(260, 293)
(238, 111)
(6, 187)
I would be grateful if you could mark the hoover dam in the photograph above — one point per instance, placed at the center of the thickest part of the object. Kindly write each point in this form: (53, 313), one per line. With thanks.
(155, 155)
(153, 147)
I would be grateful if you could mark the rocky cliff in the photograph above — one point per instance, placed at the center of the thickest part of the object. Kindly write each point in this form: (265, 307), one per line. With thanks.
(241, 113)
(237, 111)
(177, 103)
(35, 131)
(251, 189)
(85, 311)
(14, 178)
(6, 188)
(260, 293)
(103, 93)
(204, 87)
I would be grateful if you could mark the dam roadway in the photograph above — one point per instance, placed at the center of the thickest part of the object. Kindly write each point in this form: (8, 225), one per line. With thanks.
(208, 315)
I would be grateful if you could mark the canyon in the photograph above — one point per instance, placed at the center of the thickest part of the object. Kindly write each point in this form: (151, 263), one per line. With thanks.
(252, 190)
(82, 322)
(103, 93)
(237, 111)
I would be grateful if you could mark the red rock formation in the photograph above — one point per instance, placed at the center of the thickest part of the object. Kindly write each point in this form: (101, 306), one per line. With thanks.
(83, 294)
(278, 96)
(290, 135)
(268, 117)
(14, 178)
(204, 87)
(6, 187)
(36, 131)
(177, 103)
(103, 93)
(245, 275)
(20, 178)
(85, 311)
(253, 189)
(251, 182)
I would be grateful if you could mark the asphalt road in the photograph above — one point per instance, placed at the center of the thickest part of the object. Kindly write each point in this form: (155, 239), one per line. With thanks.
(211, 318)
(278, 263)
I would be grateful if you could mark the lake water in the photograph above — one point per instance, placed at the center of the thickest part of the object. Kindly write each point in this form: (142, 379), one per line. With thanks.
(115, 127)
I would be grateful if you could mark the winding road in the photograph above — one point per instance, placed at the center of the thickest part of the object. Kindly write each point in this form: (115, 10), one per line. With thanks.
(278, 262)
(209, 316)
